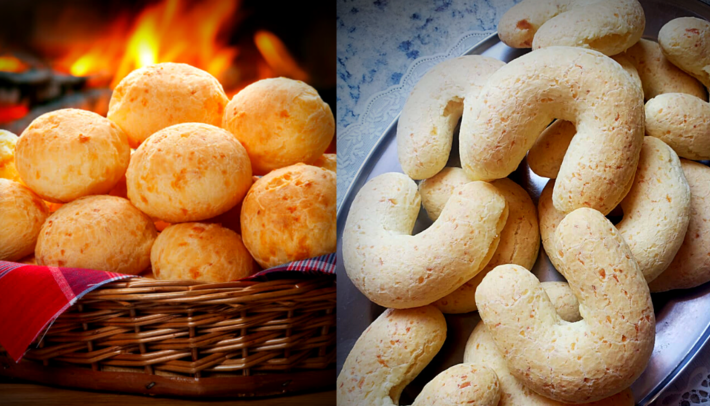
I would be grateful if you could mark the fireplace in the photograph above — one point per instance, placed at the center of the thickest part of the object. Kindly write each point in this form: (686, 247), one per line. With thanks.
(62, 54)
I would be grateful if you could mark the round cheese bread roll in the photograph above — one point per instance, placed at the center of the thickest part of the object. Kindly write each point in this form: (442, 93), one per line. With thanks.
(289, 215)
(188, 172)
(8, 141)
(66, 154)
(280, 122)
(97, 232)
(158, 96)
(202, 252)
(327, 161)
(21, 216)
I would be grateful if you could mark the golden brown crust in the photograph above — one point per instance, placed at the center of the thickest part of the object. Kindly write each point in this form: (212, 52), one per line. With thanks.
(69, 153)
(280, 122)
(97, 232)
(327, 161)
(22, 214)
(158, 96)
(289, 215)
(682, 121)
(8, 141)
(188, 172)
(202, 252)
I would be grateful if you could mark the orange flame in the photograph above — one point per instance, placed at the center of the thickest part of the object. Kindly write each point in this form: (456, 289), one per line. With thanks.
(169, 31)
(277, 56)
(9, 63)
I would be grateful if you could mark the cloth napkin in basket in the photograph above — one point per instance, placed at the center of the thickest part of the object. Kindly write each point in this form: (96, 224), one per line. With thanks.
(33, 296)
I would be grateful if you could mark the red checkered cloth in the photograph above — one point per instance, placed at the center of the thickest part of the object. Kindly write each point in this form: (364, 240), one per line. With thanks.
(33, 296)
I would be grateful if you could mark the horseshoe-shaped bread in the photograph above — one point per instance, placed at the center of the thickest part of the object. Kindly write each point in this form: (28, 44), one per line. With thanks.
(607, 26)
(426, 126)
(682, 121)
(582, 86)
(574, 362)
(389, 354)
(658, 75)
(395, 269)
(685, 41)
(394, 349)
(481, 350)
(657, 210)
(519, 240)
(461, 385)
(691, 265)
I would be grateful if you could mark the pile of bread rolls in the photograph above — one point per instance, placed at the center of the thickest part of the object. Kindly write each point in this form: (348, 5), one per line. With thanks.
(575, 107)
(166, 180)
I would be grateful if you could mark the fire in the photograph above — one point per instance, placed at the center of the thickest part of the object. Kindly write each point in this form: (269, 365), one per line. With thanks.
(9, 63)
(169, 31)
(276, 55)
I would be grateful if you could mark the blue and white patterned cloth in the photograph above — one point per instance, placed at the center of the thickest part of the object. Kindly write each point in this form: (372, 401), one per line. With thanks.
(384, 47)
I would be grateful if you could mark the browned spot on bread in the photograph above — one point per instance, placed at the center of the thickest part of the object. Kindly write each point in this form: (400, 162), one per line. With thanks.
(523, 25)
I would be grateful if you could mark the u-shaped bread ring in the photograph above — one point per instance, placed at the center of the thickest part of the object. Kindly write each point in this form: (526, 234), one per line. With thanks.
(656, 211)
(395, 269)
(607, 26)
(691, 265)
(579, 85)
(591, 359)
(519, 240)
(685, 41)
(394, 349)
(658, 75)
(481, 350)
(426, 126)
(682, 121)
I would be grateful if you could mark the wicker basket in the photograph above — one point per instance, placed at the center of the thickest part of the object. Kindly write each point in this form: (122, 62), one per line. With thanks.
(185, 338)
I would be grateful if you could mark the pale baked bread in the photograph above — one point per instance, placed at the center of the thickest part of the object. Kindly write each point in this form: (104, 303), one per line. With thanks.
(8, 141)
(546, 155)
(22, 214)
(682, 121)
(607, 26)
(658, 74)
(656, 210)
(389, 354)
(70, 153)
(691, 265)
(579, 85)
(202, 252)
(396, 269)
(97, 232)
(158, 96)
(591, 359)
(289, 215)
(482, 350)
(461, 385)
(519, 244)
(188, 172)
(442, 96)
(685, 42)
(280, 122)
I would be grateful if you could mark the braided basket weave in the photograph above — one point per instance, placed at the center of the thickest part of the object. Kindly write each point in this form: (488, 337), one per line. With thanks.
(188, 338)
